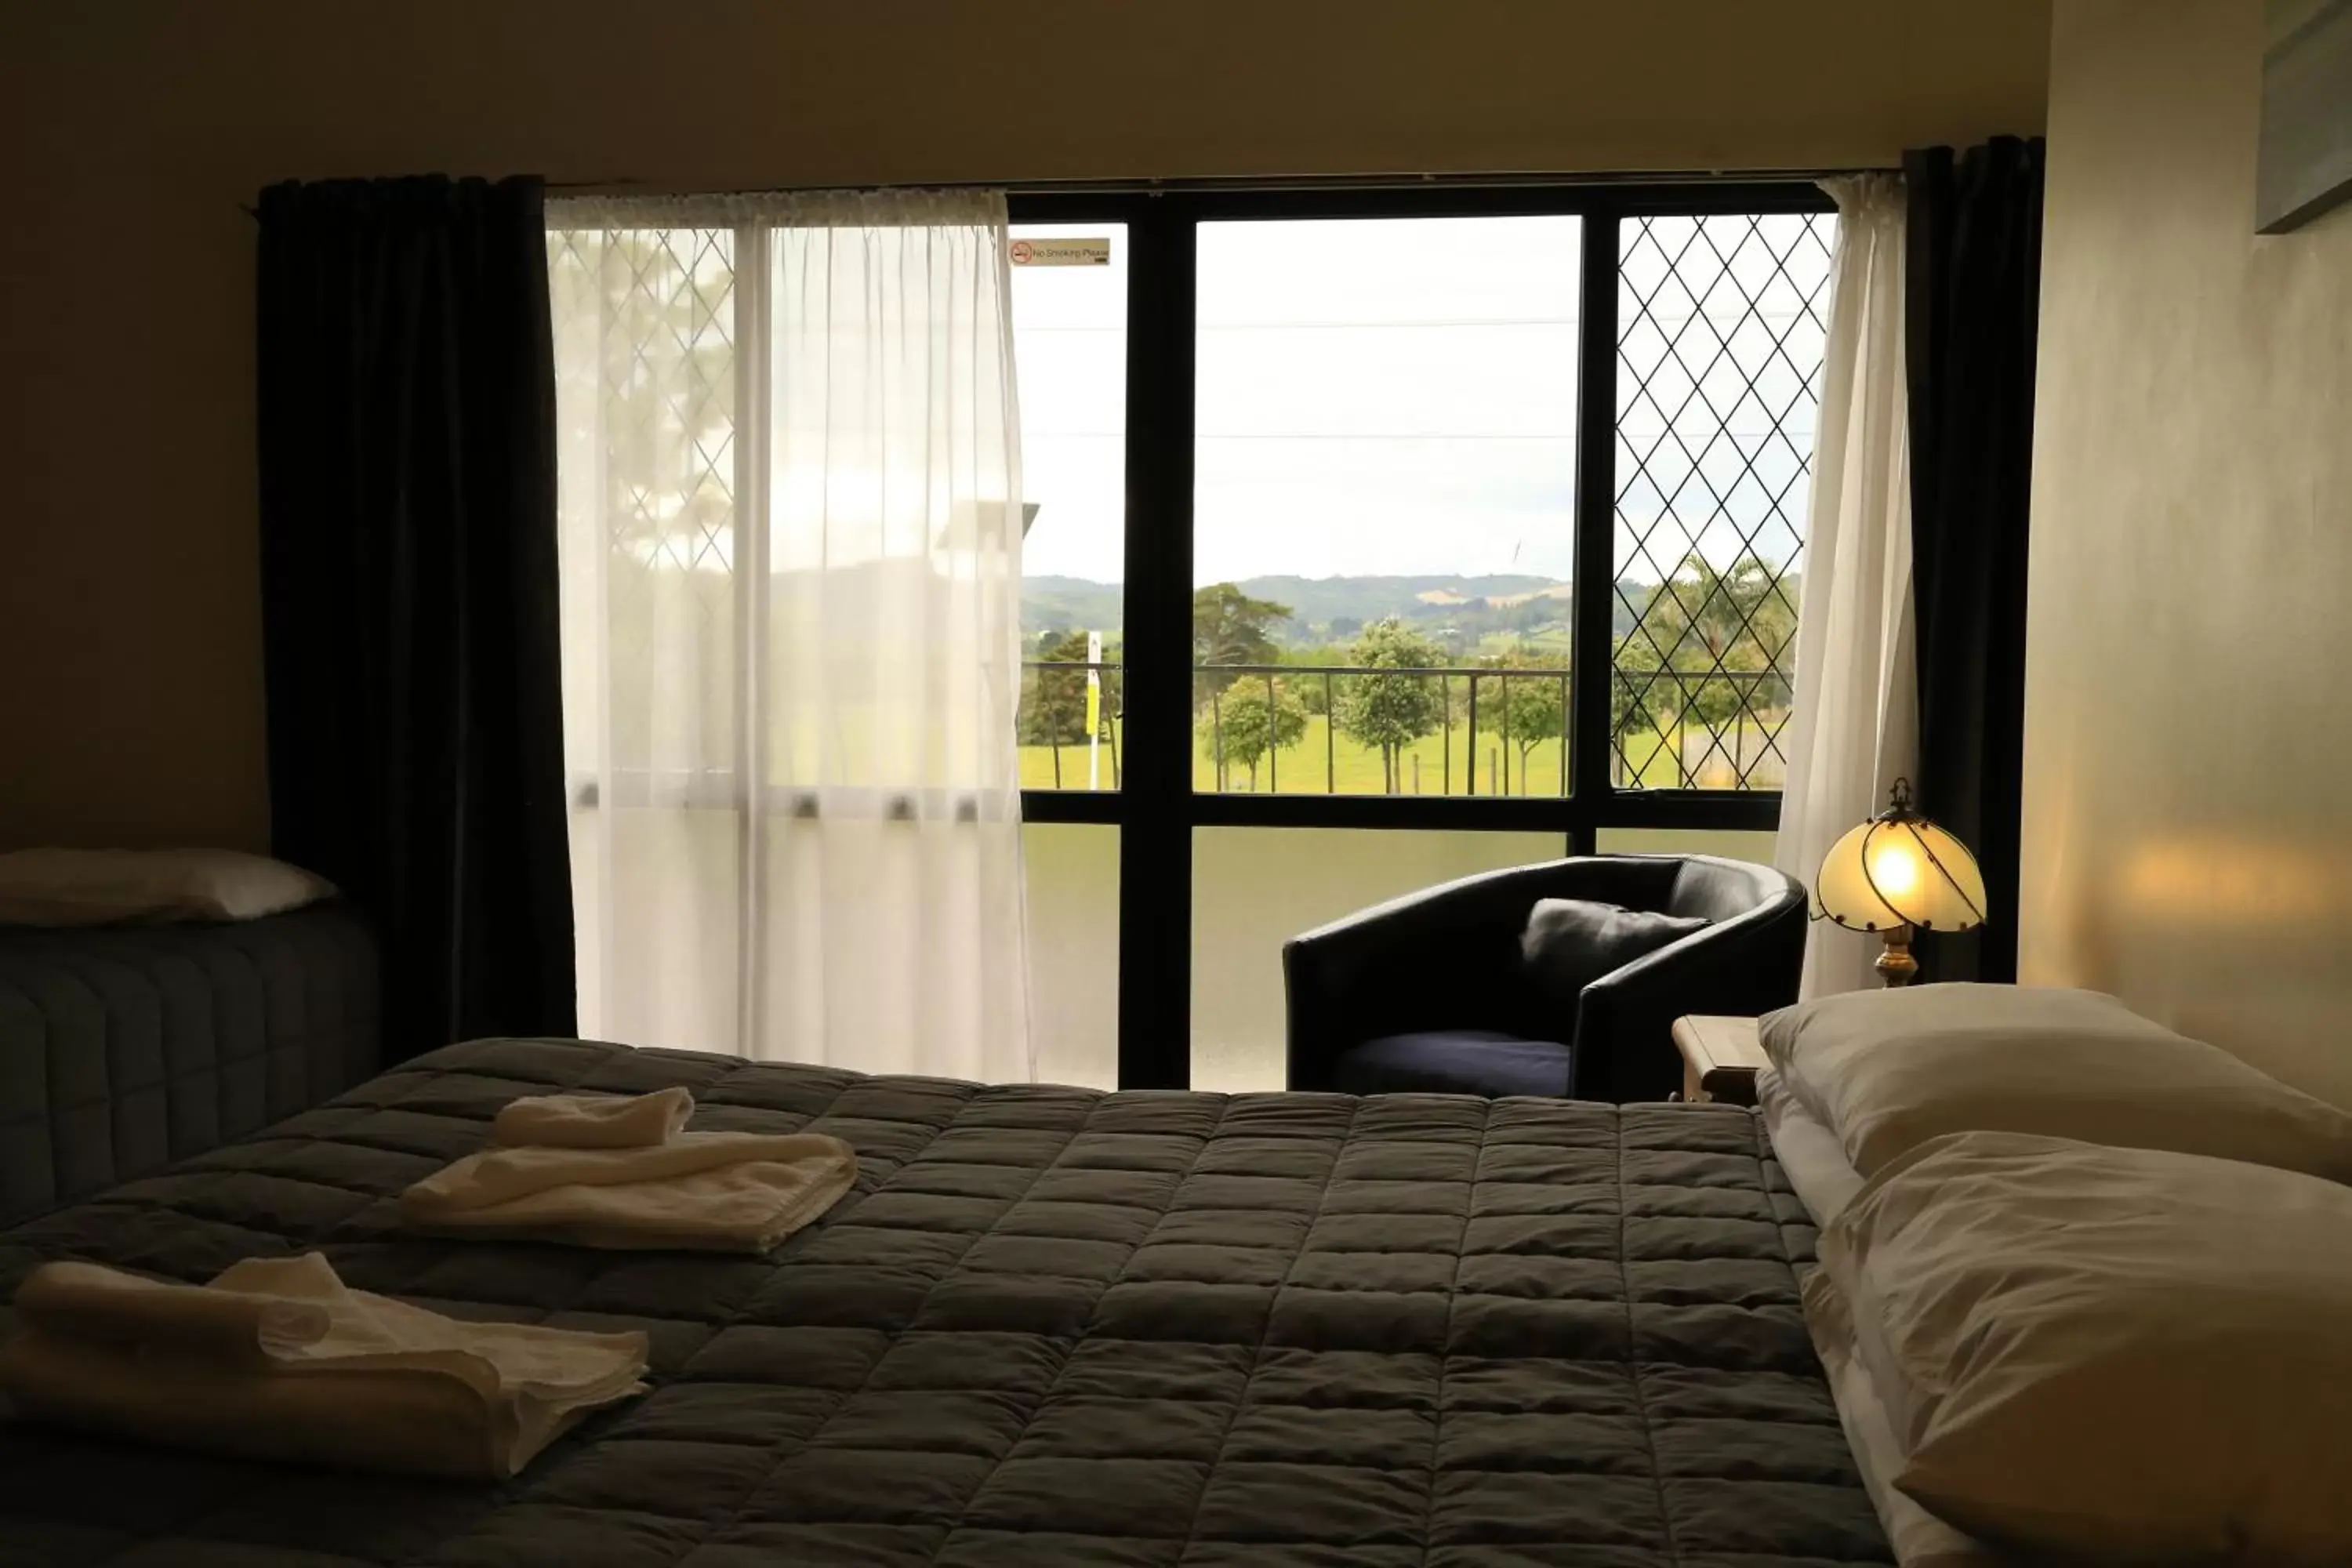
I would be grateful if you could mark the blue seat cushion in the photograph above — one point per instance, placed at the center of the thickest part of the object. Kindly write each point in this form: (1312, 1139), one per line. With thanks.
(1454, 1061)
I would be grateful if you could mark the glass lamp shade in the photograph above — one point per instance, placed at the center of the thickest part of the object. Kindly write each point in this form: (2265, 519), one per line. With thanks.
(1899, 870)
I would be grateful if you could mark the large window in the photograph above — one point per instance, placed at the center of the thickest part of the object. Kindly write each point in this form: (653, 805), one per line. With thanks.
(1384, 505)
(1473, 515)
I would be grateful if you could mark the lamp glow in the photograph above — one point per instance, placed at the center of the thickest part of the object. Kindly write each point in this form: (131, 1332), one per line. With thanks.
(1896, 873)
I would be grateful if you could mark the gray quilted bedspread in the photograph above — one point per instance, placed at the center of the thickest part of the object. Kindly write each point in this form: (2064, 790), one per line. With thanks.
(123, 1048)
(1049, 1325)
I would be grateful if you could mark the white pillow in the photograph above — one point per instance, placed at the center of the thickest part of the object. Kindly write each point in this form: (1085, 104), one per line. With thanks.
(2107, 1355)
(100, 887)
(1888, 1071)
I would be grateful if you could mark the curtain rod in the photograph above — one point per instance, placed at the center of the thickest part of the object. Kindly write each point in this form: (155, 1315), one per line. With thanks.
(1391, 182)
(630, 185)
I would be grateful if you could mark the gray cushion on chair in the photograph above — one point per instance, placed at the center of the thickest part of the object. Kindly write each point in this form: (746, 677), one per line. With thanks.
(1454, 1061)
(1569, 944)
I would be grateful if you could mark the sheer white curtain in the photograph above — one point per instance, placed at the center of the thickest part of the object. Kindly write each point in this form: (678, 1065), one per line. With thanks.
(1855, 723)
(791, 477)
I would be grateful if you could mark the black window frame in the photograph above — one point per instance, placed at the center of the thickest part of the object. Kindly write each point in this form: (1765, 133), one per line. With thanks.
(1157, 809)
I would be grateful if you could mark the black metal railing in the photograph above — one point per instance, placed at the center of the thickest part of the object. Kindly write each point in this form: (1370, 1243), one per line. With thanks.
(1255, 725)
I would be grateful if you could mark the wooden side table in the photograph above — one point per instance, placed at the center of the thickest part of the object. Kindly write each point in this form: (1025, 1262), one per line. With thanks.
(1720, 1057)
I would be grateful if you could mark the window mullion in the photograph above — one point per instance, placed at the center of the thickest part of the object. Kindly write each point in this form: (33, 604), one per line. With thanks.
(1156, 794)
(1596, 499)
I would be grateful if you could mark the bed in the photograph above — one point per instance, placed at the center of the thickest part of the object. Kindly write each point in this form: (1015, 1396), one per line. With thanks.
(123, 1048)
(1047, 1325)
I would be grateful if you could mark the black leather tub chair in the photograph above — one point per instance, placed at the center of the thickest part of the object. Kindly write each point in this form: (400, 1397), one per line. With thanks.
(1433, 991)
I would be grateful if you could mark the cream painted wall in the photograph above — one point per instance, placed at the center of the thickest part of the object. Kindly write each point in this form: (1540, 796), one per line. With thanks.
(2187, 842)
(131, 703)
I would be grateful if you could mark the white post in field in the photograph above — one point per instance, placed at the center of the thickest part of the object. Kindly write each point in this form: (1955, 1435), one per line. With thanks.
(1093, 709)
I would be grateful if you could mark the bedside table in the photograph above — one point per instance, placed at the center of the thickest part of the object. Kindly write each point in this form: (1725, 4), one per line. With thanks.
(1720, 1057)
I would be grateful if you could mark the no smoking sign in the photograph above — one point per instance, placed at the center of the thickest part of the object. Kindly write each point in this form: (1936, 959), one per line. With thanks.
(1061, 252)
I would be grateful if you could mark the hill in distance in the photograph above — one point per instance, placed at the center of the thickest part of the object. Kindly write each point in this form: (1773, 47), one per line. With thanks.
(1319, 601)
(1317, 604)
(1071, 603)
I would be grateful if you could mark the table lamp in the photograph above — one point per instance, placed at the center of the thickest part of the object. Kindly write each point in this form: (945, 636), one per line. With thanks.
(1896, 872)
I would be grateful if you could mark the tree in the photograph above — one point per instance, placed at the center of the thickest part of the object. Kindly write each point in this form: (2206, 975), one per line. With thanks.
(1525, 713)
(1639, 697)
(1702, 622)
(1054, 708)
(1230, 627)
(1313, 685)
(1390, 712)
(1642, 697)
(1242, 725)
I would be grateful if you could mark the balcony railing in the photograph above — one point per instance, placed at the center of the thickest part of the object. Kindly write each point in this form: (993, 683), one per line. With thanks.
(1449, 731)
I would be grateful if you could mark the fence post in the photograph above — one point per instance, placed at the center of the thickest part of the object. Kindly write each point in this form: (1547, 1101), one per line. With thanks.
(1470, 741)
(1506, 741)
(1217, 737)
(1445, 735)
(1330, 723)
(1682, 734)
(1567, 718)
(1272, 734)
(1616, 758)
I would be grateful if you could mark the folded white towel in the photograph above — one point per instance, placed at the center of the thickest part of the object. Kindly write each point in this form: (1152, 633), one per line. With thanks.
(714, 1192)
(594, 1121)
(213, 1322)
(277, 1359)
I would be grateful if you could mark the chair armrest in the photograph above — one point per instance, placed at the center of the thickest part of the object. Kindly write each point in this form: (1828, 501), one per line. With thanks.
(1446, 957)
(1624, 1029)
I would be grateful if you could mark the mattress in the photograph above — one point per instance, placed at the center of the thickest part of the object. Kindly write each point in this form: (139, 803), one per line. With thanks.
(1919, 1539)
(1048, 1325)
(123, 1048)
(1826, 1182)
(1809, 1154)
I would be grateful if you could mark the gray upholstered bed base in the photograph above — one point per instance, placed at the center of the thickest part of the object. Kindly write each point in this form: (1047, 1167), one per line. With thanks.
(124, 1048)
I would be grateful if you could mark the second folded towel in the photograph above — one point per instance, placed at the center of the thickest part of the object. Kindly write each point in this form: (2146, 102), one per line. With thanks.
(720, 1191)
(594, 1121)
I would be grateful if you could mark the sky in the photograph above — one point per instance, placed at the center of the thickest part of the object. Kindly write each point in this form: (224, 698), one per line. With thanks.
(1392, 397)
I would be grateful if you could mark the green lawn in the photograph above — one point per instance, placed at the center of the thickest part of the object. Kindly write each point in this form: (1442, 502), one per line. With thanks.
(1436, 765)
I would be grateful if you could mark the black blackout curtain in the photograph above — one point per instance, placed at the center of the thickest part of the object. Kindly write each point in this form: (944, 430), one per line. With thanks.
(1972, 297)
(407, 467)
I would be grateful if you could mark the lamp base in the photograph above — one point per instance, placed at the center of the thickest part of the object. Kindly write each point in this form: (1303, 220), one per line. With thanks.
(1896, 966)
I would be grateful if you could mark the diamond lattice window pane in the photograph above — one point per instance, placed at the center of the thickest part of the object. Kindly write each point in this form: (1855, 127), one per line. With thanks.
(1721, 322)
(645, 378)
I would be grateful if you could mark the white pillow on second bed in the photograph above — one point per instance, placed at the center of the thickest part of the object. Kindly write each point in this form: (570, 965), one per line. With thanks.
(2101, 1355)
(1887, 1071)
(106, 886)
